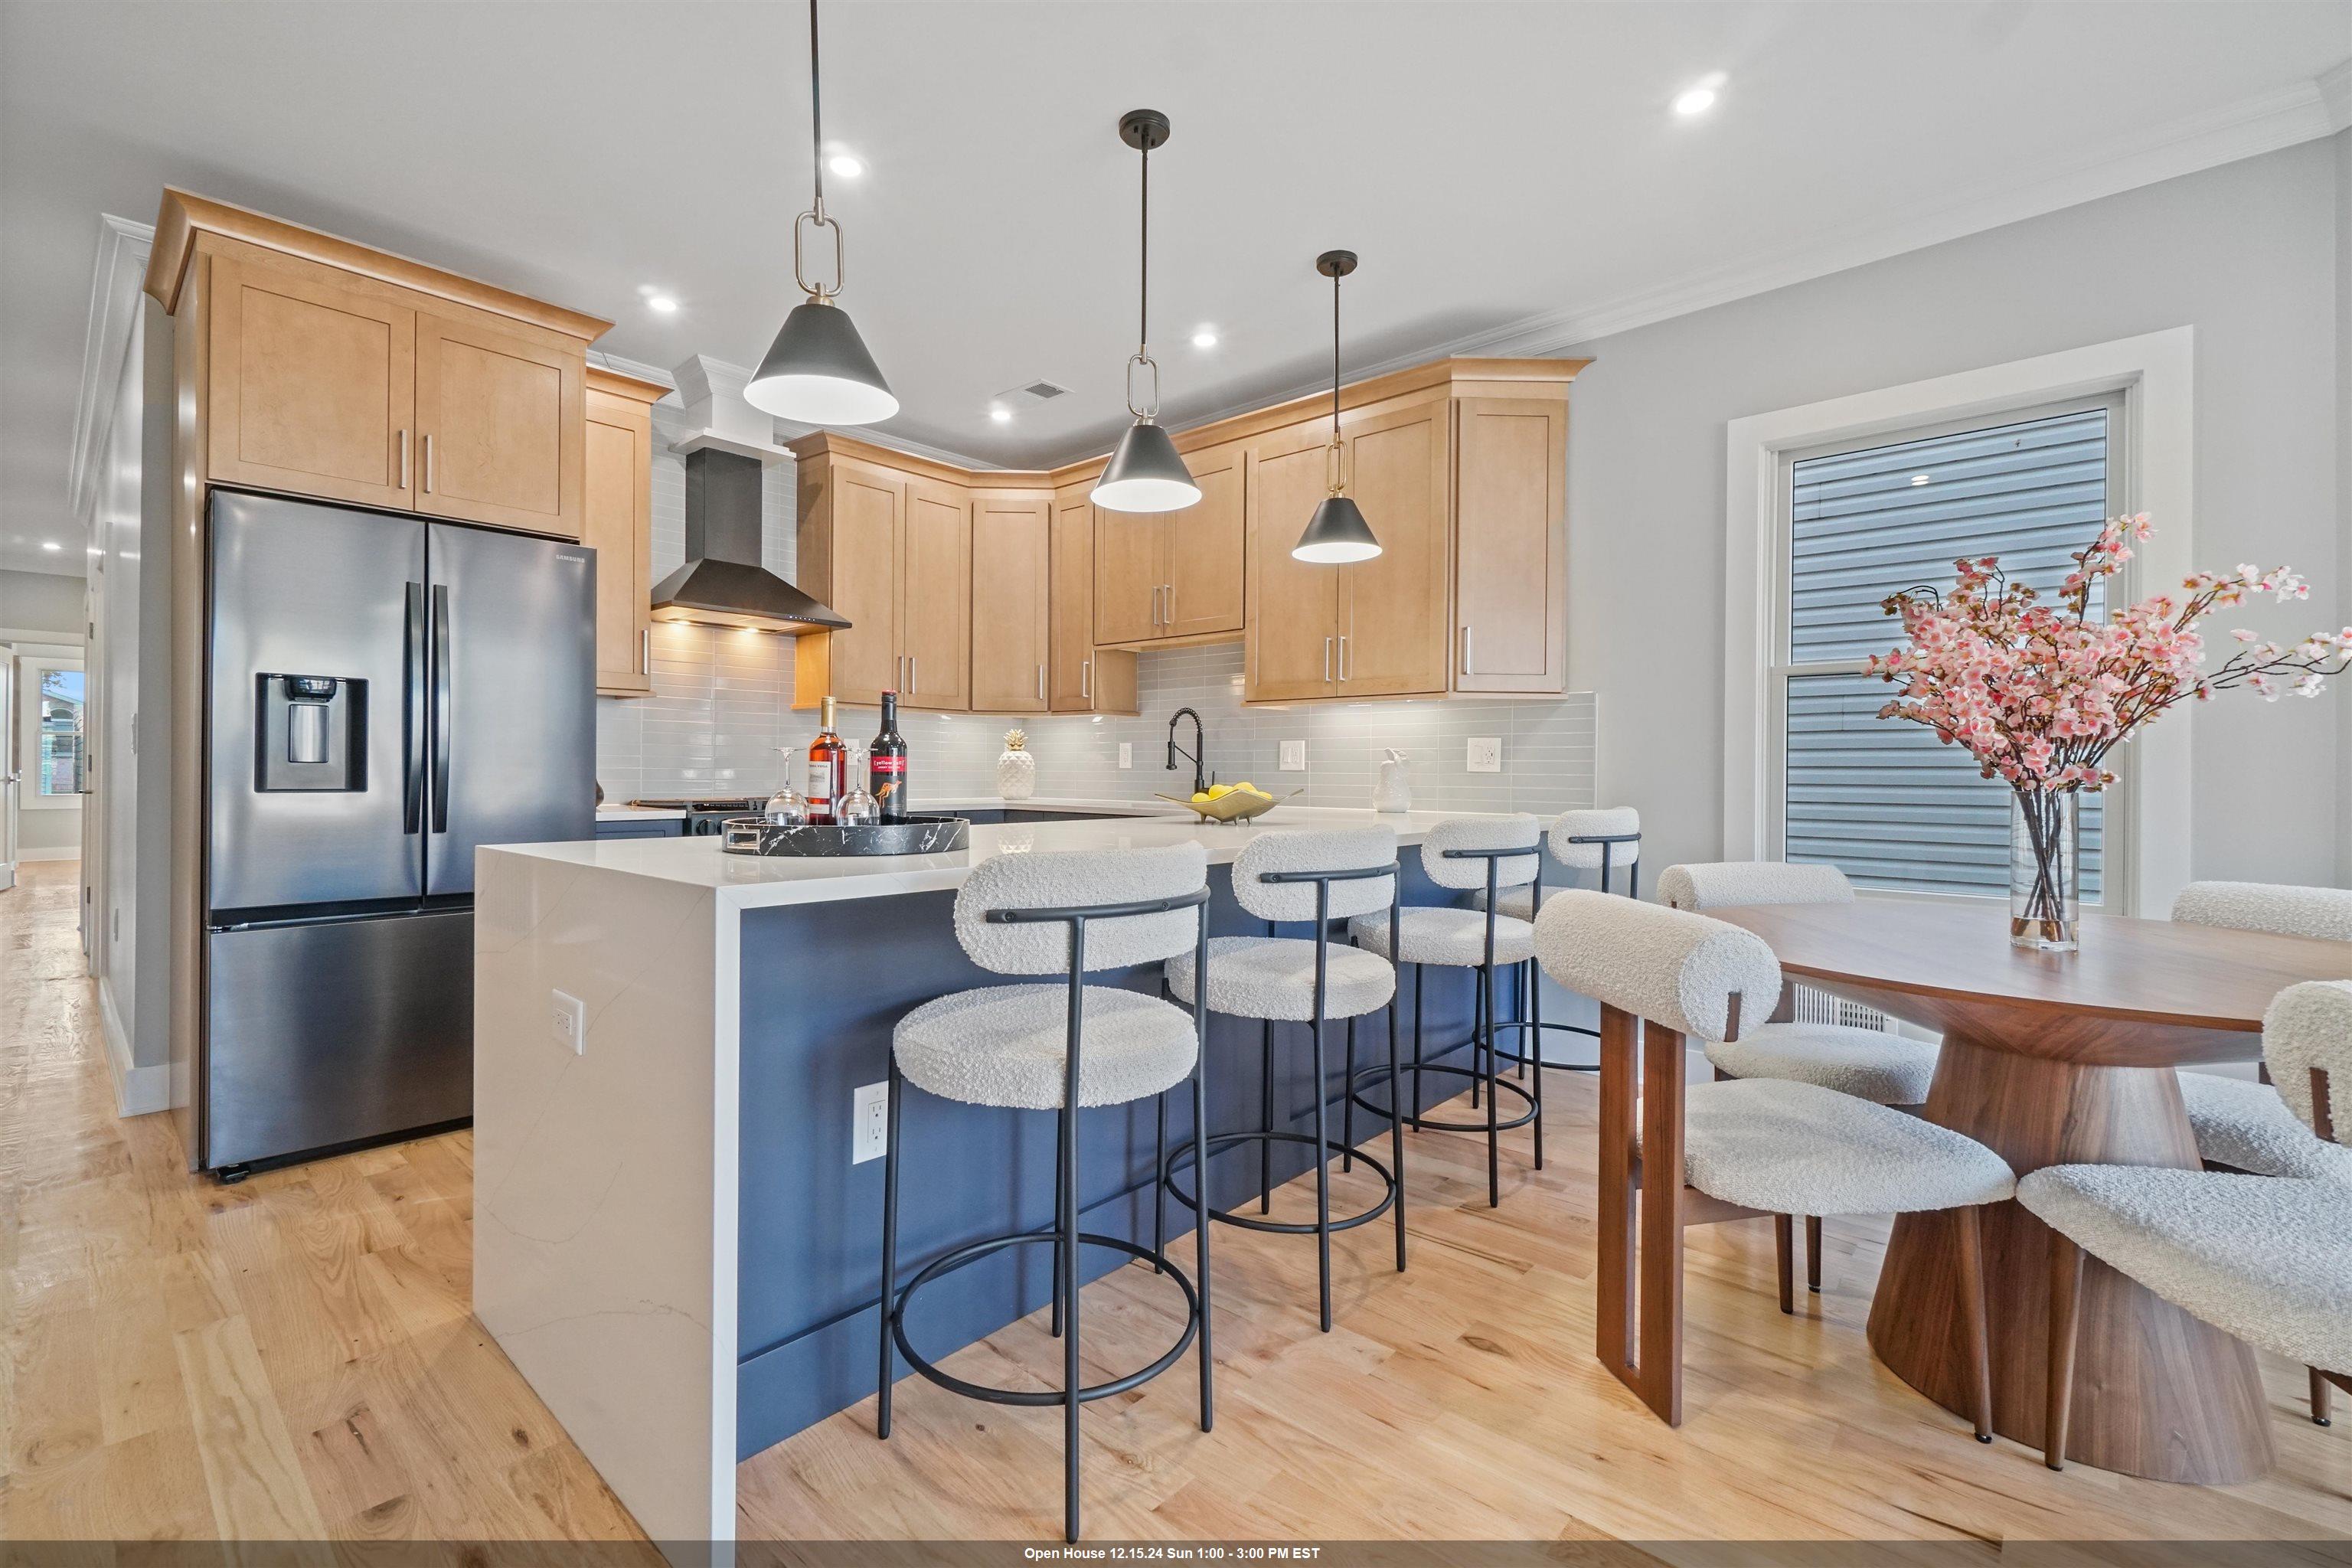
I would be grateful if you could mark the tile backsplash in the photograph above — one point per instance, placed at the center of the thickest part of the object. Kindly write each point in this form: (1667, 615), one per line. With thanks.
(722, 706)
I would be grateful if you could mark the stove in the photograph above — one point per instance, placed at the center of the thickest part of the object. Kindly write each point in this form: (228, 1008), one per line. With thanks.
(704, 813)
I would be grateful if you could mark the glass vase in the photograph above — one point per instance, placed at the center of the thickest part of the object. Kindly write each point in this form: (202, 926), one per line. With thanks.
(2045, 864)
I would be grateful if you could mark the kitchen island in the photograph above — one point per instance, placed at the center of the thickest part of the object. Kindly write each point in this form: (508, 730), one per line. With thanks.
(674, 1238)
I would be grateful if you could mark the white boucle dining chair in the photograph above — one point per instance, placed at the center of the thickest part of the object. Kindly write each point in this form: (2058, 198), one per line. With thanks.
(2266, 1258)
(1743, 1148)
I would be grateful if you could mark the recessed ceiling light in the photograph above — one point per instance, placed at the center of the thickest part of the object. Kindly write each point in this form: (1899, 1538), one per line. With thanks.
(1699, 97)
(1918, 479)
(51, 545)
(1001, 413)
(1204, 338)
(661, 304)
(844, 164)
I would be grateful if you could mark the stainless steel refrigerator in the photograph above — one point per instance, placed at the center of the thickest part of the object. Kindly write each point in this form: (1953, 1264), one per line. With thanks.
(385, 694)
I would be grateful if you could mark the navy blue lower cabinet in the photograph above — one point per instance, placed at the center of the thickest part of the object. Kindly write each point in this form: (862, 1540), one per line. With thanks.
(824, 985)
(641, 827)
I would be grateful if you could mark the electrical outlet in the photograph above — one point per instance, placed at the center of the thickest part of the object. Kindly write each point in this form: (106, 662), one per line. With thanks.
(1486, 754)
(567, 1017)
(869, 1111)
(1126, 754)
(1294, 756)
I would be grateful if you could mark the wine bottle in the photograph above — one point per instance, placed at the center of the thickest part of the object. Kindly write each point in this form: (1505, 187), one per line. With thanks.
(887, 762)
(827, 765)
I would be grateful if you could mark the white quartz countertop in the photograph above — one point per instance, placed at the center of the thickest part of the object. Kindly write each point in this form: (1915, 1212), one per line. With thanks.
(638, 813)
(748, 881)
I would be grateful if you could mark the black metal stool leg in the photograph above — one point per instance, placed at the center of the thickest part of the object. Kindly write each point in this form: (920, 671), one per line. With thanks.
(1266, 1124)
(1060, 1154)
(1069, 1290)
(1322, 1182)
(1396, 1126)
(1479, 1066)
(1348, 1105)
(1534, 1035)
(1159, 1188)
(1201, 1241)
(1418, 977)
(890, 1254)
(1494, 1134)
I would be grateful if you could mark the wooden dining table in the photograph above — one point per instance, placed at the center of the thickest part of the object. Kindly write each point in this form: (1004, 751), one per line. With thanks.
(2061, 1058)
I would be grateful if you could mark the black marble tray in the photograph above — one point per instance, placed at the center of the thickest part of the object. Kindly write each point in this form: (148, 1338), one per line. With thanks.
(915, 836)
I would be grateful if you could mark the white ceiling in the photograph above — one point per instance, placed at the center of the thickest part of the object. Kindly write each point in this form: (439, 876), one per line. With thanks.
(1509, 173)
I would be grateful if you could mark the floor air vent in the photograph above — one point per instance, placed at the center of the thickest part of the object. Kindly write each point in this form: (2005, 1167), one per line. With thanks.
(1821, 1008)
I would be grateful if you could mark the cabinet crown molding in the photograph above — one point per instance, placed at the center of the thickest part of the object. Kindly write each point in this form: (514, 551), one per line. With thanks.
(184, 216)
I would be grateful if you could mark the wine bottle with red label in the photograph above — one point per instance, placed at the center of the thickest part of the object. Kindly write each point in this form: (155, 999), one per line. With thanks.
(887, 763)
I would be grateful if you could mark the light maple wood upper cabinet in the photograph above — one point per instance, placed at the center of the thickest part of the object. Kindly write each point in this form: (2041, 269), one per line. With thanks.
(1294, 606)
(935, 597)
(345, 373)
(888, 548)
(498, 427)
(1176, 575)
(1011, 595)
(1510, 545)
(1392, 612)
(1079, 677)
(616, 518)
(313, 383)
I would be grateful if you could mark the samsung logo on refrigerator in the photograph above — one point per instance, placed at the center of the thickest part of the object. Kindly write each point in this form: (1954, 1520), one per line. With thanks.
(571, 558)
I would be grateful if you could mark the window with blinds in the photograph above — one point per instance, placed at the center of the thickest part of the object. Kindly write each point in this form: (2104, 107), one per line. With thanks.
(1885, 801)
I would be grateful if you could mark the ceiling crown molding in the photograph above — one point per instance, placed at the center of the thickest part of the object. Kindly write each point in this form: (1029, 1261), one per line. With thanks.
(114, 307)
(2285, 117)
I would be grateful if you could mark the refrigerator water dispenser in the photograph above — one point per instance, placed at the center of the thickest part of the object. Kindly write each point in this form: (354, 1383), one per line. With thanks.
(312, 735)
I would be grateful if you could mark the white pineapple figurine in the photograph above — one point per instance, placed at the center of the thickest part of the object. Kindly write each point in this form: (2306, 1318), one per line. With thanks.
(1016, 769)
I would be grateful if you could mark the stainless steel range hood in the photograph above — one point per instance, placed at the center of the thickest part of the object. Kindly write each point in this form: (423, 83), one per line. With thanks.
(722, 583)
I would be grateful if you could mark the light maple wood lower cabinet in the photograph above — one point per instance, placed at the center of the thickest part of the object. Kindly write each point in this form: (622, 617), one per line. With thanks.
(616, 515)
(313, 381)
(1510, 545)
(1011, 595)
(1080, 678)
(498, 427)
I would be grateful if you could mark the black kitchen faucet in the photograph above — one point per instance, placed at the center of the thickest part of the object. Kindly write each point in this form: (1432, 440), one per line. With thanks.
(1200, 784)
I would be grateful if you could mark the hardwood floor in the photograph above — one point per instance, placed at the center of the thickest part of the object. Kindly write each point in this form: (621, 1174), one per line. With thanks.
(292, 1359)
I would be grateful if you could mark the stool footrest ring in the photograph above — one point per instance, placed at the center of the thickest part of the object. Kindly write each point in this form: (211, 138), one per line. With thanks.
(1520, 1057)
(1430, 1124)
(1042, 1396)
(1332, 1148)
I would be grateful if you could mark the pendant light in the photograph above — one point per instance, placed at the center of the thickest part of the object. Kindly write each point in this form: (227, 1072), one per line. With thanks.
(1144, 473)
(1338, 532)
(817, 372)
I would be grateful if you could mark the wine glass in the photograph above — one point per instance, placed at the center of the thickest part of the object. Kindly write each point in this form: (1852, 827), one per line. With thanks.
(787, 807)
(856, 807)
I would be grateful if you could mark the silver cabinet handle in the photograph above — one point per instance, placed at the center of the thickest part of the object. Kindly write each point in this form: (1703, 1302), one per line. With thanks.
(1466, 651)
(403, 459)
(914, 675)
(646, 651)
(1041, 683)
(428, 462)
(1171, 605)
(1086, 678)
(1327, 660)
(1343, 655)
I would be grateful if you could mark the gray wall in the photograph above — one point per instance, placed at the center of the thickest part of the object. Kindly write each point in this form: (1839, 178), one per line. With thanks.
(41, 602)
(2249, 253)
(2343, 486)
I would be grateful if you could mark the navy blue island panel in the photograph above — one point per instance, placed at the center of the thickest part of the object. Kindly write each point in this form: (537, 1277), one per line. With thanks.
(823, 986)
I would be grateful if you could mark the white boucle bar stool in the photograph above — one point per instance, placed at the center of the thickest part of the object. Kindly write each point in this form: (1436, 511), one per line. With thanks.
(1747, 1148)
(1494, 856)
(1866, 1063)
(1596, 840)
(2266, 1258)
(1058, 1047)
(1317, 876)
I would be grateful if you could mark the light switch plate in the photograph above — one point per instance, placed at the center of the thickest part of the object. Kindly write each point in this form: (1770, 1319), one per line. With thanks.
(1294, 756)
(870, 1111)
(1486, 754)
(568, 1018)
(1126, 754)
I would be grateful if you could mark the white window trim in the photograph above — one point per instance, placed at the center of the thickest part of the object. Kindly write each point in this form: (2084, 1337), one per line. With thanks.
(2155, 373)
(31, 664)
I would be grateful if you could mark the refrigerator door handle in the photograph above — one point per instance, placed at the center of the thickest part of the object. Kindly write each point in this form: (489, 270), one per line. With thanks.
(440, 708)
(412, 712)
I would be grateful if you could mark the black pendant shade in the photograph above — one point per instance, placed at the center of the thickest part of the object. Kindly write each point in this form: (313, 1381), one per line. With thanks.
(818, 370)
(1145, 473)
(1338, 532)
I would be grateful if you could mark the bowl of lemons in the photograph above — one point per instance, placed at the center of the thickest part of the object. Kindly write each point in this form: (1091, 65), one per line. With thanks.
(1230, 803)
